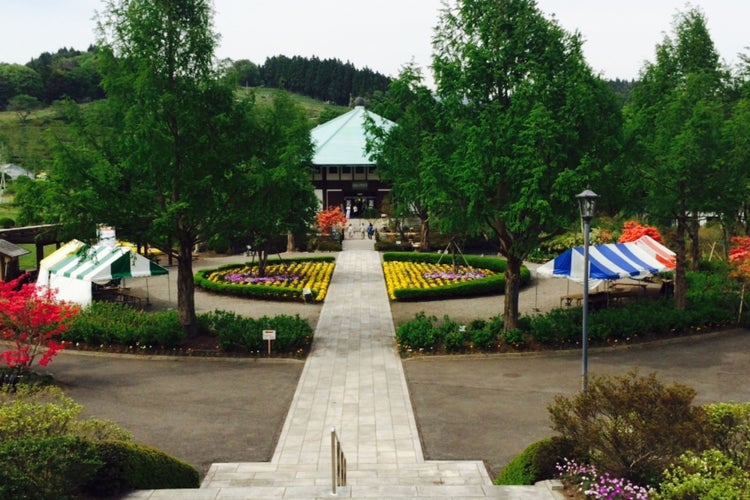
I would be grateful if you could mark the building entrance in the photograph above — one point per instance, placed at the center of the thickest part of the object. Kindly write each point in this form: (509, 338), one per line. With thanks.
(358, 206)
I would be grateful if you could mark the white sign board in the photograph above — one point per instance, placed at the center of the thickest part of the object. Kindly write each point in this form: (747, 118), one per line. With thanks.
(269, 334)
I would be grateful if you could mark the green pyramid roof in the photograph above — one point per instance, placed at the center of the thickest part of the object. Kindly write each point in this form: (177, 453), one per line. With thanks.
(342, 140)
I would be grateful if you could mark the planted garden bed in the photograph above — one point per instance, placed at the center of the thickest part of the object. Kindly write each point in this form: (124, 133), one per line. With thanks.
(283, 280)
(431, 276)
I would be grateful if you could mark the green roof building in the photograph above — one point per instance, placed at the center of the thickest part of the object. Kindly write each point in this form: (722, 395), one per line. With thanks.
(344, 174)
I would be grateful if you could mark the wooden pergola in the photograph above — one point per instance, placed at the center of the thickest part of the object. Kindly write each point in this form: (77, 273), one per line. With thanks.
(39, 236)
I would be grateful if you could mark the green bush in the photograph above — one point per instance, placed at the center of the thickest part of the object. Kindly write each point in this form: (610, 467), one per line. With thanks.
(729, 431)
(514, 337)
(236, 333)
(557, 327)
(447, 327)
(108, 323)
(292, 332)
(485, 338)
(7, 222)
(455, 341)
(43, 412)
(130, 466)
(712, 298)
(46, 451)
(535, 463)
(46, 468)
(228, 327)
(630, 426)
(328, 245)
(417, 334)
(710, 475)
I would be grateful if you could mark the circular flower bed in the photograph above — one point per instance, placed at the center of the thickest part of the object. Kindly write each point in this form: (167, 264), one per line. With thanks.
(282, 280)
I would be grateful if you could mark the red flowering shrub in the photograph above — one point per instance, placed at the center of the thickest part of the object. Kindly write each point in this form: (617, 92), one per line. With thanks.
(632, 230)
(739, 257)
(328, 219)
(32, 321)
(741, 250)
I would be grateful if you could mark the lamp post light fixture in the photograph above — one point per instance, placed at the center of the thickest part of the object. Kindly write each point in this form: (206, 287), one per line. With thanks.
(586, 201)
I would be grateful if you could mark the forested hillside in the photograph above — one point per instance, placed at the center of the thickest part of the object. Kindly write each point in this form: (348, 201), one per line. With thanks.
(52, 76)
(329, 80)
(72, 73)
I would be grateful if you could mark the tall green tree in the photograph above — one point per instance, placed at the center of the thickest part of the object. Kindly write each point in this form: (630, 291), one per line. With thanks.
(528, 125)
(176, 143)
(23, 105)
(736, 134)
(16, 79)
(276, 190)
(402, 152)
(674, 135)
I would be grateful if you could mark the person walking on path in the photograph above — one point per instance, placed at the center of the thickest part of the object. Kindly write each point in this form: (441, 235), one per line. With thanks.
(351, 231)
(362, 230)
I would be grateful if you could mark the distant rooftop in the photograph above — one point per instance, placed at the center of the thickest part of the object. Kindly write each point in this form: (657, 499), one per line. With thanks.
(14, 171)
(342, 140)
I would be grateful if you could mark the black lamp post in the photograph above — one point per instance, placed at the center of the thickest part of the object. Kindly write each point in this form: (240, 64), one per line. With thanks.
(586, 201)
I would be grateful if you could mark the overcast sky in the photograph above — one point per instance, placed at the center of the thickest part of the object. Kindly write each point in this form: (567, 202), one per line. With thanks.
(382, 34)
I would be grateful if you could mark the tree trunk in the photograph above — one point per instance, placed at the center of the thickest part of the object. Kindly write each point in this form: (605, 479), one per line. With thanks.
(512, 287)
(680, 278)
(424, 236)
(262, 261)
(186, 289)
(290, 247)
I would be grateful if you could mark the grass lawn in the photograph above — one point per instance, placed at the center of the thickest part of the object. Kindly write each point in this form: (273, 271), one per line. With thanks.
(6, 211)
(28, 262)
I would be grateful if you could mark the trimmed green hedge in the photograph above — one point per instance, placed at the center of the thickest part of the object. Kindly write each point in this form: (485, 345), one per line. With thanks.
(63, 467)
(117, 325)
(710, 306)
(485, 286)
(109, 323)
(53, 467)
(535, 463)
(264, 292)
(48, 451)
(236, 333)
(130, 466)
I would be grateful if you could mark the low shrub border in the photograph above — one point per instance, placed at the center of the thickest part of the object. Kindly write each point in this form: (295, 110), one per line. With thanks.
(489, 285)
(561, 328)
(119, 328)
(266, 292)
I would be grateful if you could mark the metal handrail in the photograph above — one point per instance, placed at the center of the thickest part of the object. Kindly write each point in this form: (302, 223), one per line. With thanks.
(338, 462)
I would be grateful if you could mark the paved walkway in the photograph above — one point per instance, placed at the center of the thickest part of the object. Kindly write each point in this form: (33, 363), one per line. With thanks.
(353, 380)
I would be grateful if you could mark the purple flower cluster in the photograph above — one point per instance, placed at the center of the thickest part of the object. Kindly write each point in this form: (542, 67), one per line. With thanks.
(600, 486)
(453, 276)
(251, 279)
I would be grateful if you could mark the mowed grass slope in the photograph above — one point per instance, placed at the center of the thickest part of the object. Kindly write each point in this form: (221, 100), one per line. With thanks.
(31, 144)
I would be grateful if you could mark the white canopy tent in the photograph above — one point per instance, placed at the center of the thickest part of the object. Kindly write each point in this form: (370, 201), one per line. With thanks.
(75, 267)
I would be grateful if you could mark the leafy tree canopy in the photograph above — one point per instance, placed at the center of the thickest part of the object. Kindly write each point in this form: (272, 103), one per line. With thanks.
(528, 126)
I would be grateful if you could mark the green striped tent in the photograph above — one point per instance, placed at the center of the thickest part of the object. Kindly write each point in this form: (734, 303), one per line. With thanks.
(73, 268)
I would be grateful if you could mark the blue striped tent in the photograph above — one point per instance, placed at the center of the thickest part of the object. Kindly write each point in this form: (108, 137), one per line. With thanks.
(607, 262)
